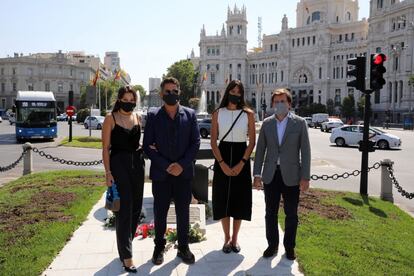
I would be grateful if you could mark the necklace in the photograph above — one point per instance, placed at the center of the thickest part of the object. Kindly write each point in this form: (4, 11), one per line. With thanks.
(127, 120)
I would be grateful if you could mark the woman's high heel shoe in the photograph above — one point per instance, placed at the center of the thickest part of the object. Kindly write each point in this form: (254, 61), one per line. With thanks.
(131, 269)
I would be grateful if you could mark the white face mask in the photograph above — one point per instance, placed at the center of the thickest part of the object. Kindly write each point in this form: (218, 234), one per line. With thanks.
(281, 109)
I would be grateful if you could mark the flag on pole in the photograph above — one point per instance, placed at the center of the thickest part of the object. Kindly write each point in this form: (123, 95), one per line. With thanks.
(227, 79)
(204, 76)
(95, 79)
(118, 75)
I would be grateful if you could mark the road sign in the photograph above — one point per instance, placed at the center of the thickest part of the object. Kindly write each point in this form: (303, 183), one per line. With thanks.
(70, 111)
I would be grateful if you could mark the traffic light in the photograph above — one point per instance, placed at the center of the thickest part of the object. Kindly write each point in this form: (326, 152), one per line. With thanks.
(358, 71)
(377, 80)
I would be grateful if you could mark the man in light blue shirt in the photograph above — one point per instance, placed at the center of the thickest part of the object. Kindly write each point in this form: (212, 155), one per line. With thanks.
(282, 162)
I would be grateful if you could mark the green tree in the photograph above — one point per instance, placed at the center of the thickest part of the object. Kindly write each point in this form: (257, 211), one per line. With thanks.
(313, 108)
(193, 103)
(109, 92)
(361, 107)
(330, 107)
(183, 71)
(348, 107)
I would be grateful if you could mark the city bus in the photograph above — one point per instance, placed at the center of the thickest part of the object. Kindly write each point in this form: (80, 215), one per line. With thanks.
(35, 115)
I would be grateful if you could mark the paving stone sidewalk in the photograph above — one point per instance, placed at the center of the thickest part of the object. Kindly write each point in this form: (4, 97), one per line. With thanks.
(92, 250)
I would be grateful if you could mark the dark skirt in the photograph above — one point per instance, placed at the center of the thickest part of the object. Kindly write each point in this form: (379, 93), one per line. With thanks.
(232, 195)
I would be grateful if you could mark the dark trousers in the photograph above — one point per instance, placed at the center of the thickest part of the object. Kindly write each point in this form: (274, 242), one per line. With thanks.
(179, 190)
(273, 191)
(130, 184)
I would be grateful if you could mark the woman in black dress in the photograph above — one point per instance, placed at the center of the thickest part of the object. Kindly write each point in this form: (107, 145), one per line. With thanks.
(124, 165)
(232, 123)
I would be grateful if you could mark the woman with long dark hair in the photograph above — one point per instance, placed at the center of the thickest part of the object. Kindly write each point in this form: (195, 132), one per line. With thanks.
(232, 123)
(124, 165)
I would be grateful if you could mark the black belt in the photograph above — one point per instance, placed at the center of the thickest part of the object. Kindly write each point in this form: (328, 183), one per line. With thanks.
(278, 167)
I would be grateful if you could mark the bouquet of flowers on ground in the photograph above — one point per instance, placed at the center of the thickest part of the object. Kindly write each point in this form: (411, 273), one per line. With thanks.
(144, 230)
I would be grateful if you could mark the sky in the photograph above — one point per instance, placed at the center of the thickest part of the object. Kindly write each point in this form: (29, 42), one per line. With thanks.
(149, 35)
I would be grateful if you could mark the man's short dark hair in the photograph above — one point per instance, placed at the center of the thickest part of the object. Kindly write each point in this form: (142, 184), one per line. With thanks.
(282, 91)
(170, 80)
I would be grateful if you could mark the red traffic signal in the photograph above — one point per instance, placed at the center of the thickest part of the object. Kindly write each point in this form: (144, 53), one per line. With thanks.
(379, 59)
(377, 71)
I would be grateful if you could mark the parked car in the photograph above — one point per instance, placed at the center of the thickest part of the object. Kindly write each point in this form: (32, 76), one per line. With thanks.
(94, 122)
(352, 135)
(308, 121)
(331, 124)
(62, 117)
(319, 118)
(205, 126)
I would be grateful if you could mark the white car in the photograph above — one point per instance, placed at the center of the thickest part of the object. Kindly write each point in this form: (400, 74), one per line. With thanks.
(331, 124)
(351, 135)
(94, 122)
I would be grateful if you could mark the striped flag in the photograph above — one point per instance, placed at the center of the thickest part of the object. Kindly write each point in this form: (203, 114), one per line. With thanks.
(95, 79)
(117, 75)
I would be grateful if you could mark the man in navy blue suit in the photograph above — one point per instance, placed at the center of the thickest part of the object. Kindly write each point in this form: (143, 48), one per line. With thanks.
(171, 141)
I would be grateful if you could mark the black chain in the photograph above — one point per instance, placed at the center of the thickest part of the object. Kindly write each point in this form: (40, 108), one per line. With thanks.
(67, 162)
(14, 164)
(335, 176)
(397, 185)
(345, 175)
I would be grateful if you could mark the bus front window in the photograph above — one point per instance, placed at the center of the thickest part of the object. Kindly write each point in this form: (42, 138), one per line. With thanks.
(36, 115)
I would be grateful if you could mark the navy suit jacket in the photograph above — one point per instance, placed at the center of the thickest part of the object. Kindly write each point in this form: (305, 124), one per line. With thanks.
(188, 142)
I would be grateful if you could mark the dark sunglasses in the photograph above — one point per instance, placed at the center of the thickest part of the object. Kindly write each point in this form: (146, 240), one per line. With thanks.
(175, 91)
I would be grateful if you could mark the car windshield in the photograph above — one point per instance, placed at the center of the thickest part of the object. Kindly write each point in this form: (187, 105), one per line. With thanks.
(376, 130)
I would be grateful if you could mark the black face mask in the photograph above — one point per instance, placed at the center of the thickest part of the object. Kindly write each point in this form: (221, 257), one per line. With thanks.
(170, 98)
(127, 106)
(234, 99)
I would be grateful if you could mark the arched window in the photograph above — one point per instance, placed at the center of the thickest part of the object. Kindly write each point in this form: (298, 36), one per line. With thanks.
(348, 16)
(316, 16)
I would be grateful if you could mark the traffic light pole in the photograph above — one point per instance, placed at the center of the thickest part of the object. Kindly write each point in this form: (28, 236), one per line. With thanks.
(363, 187)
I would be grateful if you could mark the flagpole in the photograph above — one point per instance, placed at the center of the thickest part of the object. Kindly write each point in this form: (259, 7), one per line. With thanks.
(99, 95)
(106, 99)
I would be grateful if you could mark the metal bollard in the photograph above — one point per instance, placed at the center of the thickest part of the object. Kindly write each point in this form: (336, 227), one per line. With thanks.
(27, 160)
(386, 183)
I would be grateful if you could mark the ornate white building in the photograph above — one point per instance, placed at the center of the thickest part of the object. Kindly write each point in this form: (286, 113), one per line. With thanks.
(391, 31)
(310, 59)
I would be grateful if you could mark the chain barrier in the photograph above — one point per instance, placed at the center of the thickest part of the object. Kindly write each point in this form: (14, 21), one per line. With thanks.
(14, 164)
(397, 185)
(335, 176)
(66, 162)
(314, 177)
(345, 175)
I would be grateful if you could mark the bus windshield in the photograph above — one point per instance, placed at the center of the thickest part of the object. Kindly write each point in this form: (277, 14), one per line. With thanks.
(36, 115)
